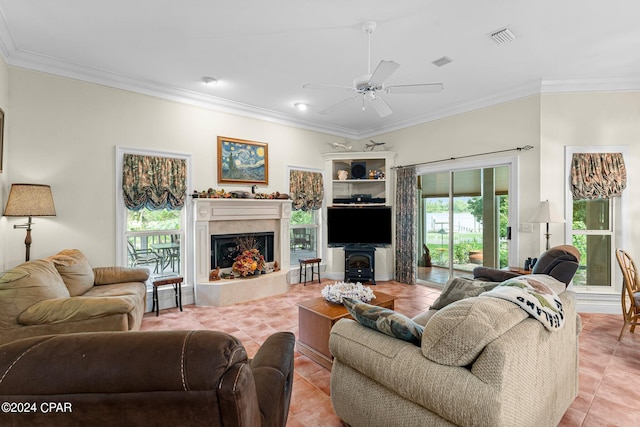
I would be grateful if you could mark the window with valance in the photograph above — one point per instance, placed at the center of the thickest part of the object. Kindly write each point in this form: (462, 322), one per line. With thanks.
(153, 182)
(597, 180)
(306, 189)
(597, 175)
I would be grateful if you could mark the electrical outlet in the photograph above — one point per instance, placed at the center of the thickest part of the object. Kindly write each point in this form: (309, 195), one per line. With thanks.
(526, 227)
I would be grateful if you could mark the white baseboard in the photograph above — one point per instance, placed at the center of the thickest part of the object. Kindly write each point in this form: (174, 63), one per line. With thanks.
(599, 303)
(167, 297)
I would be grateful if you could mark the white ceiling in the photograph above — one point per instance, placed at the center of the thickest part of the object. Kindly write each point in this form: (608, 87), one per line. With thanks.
(264, 51)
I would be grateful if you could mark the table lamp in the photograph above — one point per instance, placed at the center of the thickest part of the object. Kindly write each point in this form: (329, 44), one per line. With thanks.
(29, 200)
(547, 213)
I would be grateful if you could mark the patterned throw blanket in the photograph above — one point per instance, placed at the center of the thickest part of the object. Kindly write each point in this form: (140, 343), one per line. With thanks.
(534, 297)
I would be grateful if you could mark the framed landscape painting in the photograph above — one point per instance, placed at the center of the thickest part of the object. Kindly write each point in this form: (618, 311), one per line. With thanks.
(242, 162)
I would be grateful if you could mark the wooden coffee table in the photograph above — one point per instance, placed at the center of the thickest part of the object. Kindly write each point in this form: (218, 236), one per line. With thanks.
(317, 316)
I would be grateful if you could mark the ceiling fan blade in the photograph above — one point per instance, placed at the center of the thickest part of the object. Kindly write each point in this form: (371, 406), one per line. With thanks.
(415, 88)
(381, 106)
(382, 72)
(315, 86)
(340, 104)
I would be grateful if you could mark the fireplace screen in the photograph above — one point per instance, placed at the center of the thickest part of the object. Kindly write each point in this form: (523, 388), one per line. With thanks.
(224, 248)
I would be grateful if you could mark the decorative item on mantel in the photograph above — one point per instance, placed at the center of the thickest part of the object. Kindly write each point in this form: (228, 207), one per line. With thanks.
(222, 194)
(334, 293)
(214, 274)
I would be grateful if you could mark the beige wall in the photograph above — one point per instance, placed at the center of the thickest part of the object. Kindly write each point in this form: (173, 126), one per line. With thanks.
(592, 119)
(548, 122)
(65, 133)
(4, 176)
(501, 127)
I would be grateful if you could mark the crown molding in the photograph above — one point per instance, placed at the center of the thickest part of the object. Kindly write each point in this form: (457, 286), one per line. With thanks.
(611, 84)
(21, 58)
(522, 91)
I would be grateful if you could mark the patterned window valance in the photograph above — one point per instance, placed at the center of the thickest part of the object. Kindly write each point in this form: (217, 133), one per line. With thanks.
(306, 190)
(597, 175)
(154, 182)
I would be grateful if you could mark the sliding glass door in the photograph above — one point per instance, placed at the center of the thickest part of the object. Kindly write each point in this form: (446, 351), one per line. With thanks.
(463, 221)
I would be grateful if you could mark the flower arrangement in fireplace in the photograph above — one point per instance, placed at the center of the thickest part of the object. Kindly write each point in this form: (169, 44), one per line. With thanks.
(250, 261)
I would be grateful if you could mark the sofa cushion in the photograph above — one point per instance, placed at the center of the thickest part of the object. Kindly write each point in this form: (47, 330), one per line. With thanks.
(111, 275)
(458, 333)
(384, 320)
(137, 289)
(73, 309)
(458, 288)
(25, 285)
(422, 318)
(75, 270)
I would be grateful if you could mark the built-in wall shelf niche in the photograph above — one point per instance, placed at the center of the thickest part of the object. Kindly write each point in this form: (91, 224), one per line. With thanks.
(359, 178)
(356, 188)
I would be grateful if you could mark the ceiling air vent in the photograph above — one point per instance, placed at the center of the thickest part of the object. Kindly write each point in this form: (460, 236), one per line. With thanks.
(502, 36)
(442, 61)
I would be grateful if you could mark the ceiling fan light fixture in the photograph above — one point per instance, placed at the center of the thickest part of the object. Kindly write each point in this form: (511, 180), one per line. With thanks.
(209, 80)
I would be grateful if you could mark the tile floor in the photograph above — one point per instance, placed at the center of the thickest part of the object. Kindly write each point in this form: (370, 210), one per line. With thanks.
(609, 370)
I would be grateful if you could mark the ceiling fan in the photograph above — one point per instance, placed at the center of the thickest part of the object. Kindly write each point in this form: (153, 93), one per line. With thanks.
(369, 86)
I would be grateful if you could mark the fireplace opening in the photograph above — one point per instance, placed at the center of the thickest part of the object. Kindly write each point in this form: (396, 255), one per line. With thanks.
(224, 247)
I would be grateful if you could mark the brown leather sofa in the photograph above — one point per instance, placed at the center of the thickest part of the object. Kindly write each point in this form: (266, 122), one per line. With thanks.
(169, 378)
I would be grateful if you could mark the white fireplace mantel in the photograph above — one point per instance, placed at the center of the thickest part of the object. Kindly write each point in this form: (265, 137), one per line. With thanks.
(226, 216)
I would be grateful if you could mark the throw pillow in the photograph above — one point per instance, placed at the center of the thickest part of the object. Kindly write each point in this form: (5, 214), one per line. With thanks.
(458, 288)
(384, 320)
(458, 333)
(25, 285)
(75, 270)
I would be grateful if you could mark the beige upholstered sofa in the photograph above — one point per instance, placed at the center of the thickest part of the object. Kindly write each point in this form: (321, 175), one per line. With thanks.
(63, 294)
(481, 362)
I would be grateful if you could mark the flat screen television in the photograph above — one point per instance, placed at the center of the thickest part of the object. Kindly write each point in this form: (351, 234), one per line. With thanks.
(359, 225)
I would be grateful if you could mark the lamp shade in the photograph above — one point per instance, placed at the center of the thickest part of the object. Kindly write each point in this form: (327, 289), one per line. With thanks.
(30, 200)
(547, 213)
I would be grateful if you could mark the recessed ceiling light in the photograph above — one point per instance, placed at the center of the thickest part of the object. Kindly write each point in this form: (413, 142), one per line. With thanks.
(209, 80)
(301, 106)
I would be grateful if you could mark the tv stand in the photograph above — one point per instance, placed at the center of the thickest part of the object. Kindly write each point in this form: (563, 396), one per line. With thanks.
(359, 263)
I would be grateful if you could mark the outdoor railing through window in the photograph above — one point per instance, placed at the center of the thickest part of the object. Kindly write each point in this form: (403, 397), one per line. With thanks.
(159, 251)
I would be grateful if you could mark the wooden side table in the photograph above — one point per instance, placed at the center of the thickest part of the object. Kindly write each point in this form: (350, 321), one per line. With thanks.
(176, 281)
(518, 270)
(317, 316)
(313, 262)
